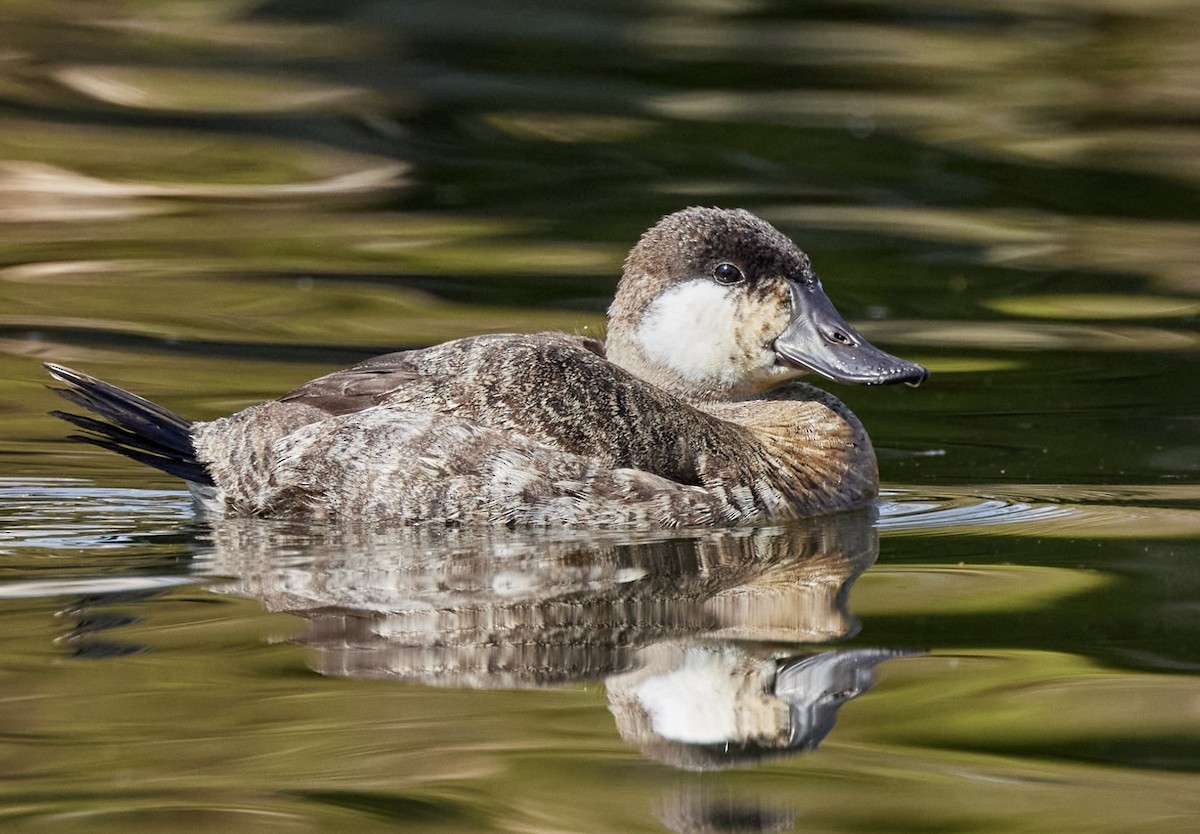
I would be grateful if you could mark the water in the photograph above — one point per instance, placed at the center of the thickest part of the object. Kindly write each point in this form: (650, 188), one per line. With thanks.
(210, 203)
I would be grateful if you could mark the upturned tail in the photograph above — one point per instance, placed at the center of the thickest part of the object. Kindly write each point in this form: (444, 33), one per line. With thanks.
(136, 427)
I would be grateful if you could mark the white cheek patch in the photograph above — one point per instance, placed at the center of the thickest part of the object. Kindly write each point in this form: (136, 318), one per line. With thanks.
(693, 329)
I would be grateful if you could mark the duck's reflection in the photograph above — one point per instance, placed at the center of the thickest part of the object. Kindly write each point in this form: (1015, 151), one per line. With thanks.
(702, 706)
(705, 809)
(696, 637)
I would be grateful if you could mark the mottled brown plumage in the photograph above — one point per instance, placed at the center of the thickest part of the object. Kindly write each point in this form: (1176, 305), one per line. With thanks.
(688, 415)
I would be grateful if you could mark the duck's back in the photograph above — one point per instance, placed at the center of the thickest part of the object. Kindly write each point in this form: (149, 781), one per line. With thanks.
(520, 429)
(554, 388)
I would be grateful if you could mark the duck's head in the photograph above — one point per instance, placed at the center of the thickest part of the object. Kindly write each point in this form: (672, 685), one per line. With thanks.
(718, 304)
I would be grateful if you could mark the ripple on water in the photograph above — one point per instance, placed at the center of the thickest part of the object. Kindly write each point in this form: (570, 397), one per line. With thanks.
(36, 511)
(68, 512)
(58, 537)
(39, 589)
(1121, 511)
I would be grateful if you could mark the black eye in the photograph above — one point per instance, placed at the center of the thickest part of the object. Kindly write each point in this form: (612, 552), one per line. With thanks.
(727, 273)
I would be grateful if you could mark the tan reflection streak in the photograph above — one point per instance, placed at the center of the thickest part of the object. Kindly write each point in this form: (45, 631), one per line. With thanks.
(1028, 336)
(75, 272)
(1094, 306)
(193, 90)
(47, 349)
(40, 192)
(297, 40)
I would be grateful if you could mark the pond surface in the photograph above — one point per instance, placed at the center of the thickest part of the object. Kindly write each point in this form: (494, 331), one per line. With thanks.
(210, 202)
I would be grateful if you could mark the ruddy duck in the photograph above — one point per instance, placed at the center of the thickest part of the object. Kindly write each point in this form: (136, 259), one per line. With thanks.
(689, 413)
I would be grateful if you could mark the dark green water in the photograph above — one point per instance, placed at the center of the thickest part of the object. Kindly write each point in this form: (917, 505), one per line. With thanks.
(210, 202)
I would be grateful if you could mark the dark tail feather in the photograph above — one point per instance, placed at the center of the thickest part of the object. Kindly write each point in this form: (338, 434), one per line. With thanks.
(137, 428)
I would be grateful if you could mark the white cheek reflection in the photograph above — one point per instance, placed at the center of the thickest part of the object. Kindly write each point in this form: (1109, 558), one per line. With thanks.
(692, 329)
(696, 703)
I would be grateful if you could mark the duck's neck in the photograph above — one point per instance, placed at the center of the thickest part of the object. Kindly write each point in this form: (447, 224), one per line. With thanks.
(805, 453)
(632, 359)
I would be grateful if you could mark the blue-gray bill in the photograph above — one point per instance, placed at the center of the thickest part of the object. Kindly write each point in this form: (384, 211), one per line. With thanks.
(818, 339)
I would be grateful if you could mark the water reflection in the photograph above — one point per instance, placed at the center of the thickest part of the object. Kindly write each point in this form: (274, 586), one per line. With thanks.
(699, 809)
(699, 640)
(699, 705)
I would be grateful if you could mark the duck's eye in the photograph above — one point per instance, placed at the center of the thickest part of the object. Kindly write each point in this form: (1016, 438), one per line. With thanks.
(727, 273)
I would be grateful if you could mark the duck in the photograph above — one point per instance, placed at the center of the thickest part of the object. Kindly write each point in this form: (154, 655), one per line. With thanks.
(692, 411)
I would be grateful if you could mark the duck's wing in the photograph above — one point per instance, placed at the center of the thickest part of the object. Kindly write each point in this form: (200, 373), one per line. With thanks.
(356, 388)
(406, 375)
(553, 388)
